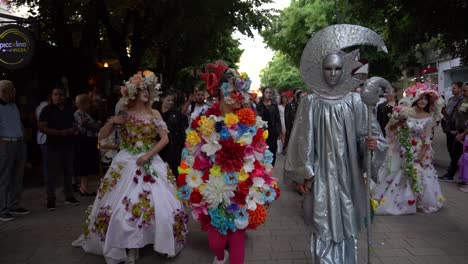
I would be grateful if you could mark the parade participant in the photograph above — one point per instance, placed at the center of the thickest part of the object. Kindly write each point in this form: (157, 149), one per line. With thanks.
(268, 110)
(328, 144)
(136, 203)
(176, 123)
(407, 182)
(226, 171)
(86, 151)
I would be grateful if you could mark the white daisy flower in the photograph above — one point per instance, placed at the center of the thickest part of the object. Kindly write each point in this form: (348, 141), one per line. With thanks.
(249, 164)
(254, 198)
(260, 123)
(212, 145)
(216, 191)
(194, 178)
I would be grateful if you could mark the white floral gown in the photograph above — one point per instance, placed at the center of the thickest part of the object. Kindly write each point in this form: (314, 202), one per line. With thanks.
(394, 192)
(135, 206)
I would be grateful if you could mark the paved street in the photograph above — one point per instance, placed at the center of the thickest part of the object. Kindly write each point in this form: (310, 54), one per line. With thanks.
(45, 237)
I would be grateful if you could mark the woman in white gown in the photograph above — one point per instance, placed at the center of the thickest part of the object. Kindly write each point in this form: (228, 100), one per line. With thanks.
(407, 181)
(136, 203)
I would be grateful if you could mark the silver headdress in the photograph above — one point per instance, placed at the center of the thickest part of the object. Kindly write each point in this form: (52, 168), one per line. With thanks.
(329, 42)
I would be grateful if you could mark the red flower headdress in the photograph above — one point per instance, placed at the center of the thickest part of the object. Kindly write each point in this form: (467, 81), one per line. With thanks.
(212, 75)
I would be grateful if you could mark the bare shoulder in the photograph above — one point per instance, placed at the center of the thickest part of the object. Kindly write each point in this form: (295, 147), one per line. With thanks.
(156, 114)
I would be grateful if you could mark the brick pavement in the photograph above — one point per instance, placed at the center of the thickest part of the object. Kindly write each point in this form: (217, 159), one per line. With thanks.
(45, 237)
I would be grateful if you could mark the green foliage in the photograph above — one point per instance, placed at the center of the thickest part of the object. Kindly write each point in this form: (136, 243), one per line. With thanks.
(292, 28)
(163, 35)
(407, 25)
(410, 29)
(281, 74)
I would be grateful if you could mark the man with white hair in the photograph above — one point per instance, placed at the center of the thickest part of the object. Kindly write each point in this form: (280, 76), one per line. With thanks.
(12, 154)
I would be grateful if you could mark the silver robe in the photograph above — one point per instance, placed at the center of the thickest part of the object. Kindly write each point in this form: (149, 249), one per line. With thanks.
(328, 142)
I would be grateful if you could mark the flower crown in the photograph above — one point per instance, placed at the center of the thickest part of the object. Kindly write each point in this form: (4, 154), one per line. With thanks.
(418, 90)
(233, 84)
(144, 80)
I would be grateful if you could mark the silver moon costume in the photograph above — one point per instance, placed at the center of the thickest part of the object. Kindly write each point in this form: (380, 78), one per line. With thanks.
(331, 128)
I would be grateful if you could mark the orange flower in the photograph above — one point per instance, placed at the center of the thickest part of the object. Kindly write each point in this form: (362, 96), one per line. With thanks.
(246, 116)
(257, 217)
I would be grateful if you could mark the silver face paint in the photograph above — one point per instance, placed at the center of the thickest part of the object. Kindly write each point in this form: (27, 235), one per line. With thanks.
(333, 69)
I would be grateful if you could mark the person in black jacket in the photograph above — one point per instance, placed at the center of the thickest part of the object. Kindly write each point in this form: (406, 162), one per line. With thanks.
(268, 110)
(384, 110)
(290, 114)
(176, 123)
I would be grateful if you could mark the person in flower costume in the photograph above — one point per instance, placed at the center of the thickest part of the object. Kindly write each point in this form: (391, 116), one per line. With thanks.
(226, 172)
(136, 203)
(407, 182)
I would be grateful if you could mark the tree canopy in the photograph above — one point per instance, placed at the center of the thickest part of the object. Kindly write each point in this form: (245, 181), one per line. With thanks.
(164, 35)
(281, 74)
(409, 29)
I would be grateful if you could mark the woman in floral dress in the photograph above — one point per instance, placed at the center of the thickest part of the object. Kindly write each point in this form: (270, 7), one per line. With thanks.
(136, 203)
(226, 171)
(407, 181)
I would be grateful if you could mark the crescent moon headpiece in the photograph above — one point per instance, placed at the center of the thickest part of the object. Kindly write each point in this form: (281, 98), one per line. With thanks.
(332, 40)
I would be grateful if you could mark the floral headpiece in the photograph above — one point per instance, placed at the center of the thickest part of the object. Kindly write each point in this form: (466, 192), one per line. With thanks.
(234, 85)
(418, 90)
(145, 80)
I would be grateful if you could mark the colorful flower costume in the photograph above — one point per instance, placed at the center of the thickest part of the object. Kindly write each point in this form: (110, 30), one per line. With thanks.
(407, 181)
(135, 206)
(226, 171)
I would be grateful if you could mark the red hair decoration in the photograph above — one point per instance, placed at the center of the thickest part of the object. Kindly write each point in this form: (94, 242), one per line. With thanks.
(212, 75)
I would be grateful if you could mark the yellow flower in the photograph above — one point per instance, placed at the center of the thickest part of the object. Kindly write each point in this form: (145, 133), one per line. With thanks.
(442, 198)
(383, 200)
(193, 138)
(202, 120)
(231, 119)
(265, 134)
(207, 127)
(242, 176)
(215, 170)
(374, 204)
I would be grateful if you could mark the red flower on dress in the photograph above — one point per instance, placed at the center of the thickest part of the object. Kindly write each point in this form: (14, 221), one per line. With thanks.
(258, 143)
(414, 142)
(201, 163)
(181, 180)
(206, 176)
(242, 191)
(195, 124)
(214, 110)
(258, 171)
(230, 156)
(278, 192)
(195, 196)
(148, 178)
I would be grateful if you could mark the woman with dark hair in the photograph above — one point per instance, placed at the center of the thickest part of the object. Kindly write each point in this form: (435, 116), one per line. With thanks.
(290, 114)
(176, 123)
(268, 110)
(407, 181)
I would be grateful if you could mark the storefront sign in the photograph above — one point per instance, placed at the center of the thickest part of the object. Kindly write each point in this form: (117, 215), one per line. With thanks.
(16, 47)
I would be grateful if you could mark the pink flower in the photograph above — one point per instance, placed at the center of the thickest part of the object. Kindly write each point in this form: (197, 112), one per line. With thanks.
(137, 79)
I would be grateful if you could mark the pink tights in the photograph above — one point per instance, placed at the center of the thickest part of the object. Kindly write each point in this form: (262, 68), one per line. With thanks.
(235, 240)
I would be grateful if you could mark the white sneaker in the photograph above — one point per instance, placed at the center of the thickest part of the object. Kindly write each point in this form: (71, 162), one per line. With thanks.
(224, 261)
(133, 255)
